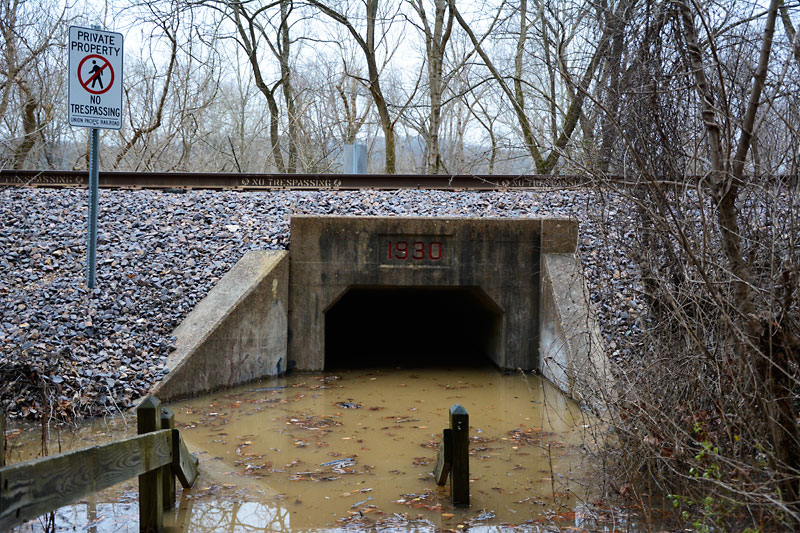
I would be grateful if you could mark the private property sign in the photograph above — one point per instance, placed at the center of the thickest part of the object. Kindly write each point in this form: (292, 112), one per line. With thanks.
(95, 78)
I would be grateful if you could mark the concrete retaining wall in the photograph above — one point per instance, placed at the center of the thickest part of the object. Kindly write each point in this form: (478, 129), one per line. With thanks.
(236, 334)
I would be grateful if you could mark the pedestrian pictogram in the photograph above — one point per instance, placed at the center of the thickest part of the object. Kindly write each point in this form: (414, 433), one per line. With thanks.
(95, 78)
(91, 72)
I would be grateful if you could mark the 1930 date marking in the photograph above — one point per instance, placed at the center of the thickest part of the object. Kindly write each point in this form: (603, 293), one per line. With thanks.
(418, 250)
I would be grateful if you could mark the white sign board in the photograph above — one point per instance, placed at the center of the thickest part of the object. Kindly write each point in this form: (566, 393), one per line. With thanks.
(95, 78)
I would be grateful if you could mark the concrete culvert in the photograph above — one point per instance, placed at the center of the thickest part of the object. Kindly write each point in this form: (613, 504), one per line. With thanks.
(412, 327)
(388, 291)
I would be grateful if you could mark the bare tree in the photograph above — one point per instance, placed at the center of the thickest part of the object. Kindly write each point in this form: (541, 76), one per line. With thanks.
(370, 48)
(168, 21)
(709, 385)
(191, 114)
(259, 25)
(791, 33)
(775, 346)
(515, 91)
(31, 32)
(347, 91)
(616, 20)
(436, 38)
(283, 47)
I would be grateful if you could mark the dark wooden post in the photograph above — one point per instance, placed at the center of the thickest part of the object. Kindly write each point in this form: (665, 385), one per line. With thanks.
(445, 458)
(167, 475)
(2, 438)
(151, 501)
(459, 469)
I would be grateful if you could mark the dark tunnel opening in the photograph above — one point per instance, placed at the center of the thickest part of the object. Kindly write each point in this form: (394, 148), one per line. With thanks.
(412, 327)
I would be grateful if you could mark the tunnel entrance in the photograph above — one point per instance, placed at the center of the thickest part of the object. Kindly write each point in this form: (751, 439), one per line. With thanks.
(412, 327)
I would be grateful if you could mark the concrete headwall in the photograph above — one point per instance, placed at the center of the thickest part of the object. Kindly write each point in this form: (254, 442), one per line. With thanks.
(500, 257)
(236, 334)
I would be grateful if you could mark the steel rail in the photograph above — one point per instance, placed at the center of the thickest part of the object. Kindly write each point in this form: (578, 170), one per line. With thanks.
(256, 182)
(252, 182)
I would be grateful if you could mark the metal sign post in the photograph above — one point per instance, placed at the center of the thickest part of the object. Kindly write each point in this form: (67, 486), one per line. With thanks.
(94, 193)
(95, 101)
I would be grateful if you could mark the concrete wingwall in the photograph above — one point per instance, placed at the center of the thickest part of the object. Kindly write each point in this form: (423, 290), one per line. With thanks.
(571, 347)
(236, 334)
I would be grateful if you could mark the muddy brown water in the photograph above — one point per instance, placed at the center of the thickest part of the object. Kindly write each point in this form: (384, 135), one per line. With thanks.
(355, 450)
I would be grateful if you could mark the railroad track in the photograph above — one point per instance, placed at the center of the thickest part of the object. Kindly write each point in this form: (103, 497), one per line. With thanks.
(254, 182)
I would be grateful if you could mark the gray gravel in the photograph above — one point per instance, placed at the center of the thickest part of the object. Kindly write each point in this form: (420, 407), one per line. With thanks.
(95, 352)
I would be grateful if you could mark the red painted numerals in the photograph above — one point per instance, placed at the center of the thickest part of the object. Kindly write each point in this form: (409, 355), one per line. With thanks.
(414, 250)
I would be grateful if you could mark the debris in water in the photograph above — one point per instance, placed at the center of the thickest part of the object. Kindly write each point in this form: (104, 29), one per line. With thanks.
(401, 419)
(484, 515)
(532, 499)
(530, 436)
(359, 504)
(348, 405)
(350, 461)
(425, 500)
(312, 422)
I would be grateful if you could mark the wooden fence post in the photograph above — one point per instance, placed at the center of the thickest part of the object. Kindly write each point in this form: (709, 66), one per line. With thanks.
(151, 500)
(2, 438)
(167, 474)
(459, 468)
(445, 458)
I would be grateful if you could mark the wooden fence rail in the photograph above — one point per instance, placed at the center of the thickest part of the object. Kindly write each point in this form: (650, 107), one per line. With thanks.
(36, 487)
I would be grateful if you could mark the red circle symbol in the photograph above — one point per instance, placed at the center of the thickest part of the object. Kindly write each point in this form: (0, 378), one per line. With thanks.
(94, 75)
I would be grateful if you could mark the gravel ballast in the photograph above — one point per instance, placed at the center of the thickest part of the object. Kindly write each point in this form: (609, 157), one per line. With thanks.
(95, 352)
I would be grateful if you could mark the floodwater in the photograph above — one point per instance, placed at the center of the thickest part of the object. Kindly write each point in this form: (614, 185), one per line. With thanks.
(355, 450)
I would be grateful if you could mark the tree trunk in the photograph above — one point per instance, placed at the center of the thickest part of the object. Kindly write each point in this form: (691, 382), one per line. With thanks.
(274, 135)
(375, 88)
(350, 104)
(248, 43)
(516, 96)
(29, 126)
(608, 128)
(367, 45)
(435, 43)
(790, 31)
(288, 89)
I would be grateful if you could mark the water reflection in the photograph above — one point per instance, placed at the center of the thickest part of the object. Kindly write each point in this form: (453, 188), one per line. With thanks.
(92, 517)
(243, 517)
(231, 516)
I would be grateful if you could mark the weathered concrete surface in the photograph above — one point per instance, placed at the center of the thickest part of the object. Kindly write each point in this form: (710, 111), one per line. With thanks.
(236, 334)
(571, 351)
(500, 257)
(559, 236)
